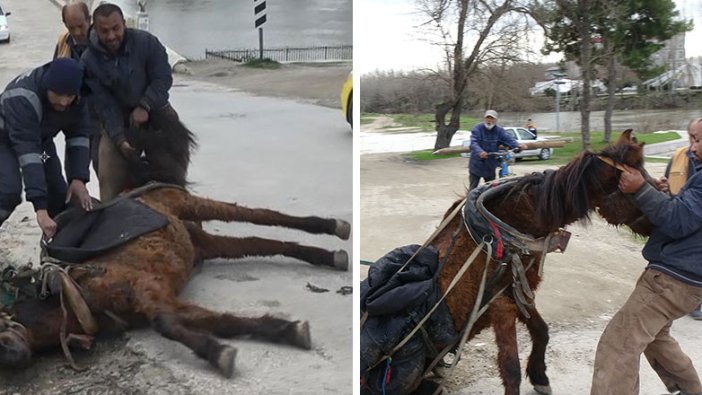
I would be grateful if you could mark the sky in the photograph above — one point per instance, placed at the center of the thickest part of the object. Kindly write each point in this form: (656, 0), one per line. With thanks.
(387, 36)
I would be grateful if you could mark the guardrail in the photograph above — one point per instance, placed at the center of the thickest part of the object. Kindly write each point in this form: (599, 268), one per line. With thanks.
(287, 54)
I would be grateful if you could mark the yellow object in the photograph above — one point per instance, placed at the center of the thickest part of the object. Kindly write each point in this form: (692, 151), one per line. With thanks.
(678, 170)
(347, 99)
(63, 50)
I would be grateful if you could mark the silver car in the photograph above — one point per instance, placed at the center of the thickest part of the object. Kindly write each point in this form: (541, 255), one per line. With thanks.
(4, 27)
(524, 136)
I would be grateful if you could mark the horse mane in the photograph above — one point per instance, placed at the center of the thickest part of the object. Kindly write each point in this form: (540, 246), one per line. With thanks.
(167, 144)
(558, 196)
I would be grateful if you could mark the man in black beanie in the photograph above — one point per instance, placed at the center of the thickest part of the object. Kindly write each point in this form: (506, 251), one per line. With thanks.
(34, 107)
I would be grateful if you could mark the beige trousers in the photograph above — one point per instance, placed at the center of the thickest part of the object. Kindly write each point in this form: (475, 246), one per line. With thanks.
(112, 168)
(642, 325)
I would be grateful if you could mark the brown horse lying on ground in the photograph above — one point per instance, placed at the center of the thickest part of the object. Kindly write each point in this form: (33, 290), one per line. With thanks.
(138, 284)
(547, 202)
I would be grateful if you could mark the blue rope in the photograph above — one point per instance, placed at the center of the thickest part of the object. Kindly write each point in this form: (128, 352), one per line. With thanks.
(386, 376)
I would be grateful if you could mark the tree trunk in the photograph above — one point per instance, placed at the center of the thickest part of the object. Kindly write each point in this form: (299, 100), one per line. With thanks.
(586, 65)
(611, 88)
(444, 130)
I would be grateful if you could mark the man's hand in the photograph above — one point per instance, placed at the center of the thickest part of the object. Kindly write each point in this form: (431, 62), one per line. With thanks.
(127, 150)
(78, 189)
(47, 225)
(662, 184)
(483, 155)
(631, 180)
(139, 116)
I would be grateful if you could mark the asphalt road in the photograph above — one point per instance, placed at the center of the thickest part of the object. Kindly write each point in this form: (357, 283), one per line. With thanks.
(258, 152)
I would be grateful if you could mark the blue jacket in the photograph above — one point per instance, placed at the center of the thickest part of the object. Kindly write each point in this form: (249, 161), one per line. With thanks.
(675, 245)
(27, 121)
(138, 75)
(481, 140)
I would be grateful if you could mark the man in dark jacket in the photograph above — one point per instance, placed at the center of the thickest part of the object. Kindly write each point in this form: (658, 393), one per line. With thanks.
(486, 137)
(128, 73)
(73, 42)
(669, 288)
(33, 108)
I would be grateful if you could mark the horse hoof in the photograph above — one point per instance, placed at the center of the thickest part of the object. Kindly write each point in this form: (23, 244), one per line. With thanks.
(225, 361)
(302, 335)
(543, 389)
(343, 229)
(341, 260)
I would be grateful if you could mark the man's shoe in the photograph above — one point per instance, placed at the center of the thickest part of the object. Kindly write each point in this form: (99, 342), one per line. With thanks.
(696, 314)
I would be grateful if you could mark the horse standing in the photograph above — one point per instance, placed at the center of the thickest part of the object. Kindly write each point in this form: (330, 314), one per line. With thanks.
(547, 202)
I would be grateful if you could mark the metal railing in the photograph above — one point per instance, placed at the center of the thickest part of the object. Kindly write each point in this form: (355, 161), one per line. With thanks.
(288, 54)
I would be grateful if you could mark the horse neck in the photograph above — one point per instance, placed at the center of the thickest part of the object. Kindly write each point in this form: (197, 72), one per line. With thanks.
(542, 203)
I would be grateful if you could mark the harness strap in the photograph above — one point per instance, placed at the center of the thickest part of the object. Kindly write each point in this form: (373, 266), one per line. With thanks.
(612, 163)
(475, 313)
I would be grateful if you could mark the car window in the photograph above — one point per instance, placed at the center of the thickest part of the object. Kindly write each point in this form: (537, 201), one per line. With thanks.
(1, 11)
(511, 133)
(525, 134)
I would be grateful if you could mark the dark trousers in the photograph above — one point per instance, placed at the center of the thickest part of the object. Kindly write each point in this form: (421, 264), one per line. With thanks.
(11, 181)
(475, 180)
(113, 168)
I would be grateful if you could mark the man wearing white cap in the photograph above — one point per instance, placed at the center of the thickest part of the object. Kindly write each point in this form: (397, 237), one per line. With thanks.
(486, 137)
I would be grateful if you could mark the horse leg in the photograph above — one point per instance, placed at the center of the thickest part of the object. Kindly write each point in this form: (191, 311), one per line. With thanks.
(203, 344)
(192, 208)
(212, 246)
(503, 316)
(536, 366)
(195, 326)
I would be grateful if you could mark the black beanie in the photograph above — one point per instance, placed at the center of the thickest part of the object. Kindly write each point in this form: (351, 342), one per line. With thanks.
(64, 76)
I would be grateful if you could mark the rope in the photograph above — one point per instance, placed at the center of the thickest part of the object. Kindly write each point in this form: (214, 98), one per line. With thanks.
(386, 375)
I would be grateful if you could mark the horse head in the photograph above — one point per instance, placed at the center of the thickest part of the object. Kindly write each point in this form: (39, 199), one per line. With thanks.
(614, 206)
(15, 351)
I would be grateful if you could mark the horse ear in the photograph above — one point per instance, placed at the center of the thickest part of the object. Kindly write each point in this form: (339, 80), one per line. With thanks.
(627, 137)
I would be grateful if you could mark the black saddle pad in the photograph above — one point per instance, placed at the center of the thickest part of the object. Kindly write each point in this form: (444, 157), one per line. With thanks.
(84, 235)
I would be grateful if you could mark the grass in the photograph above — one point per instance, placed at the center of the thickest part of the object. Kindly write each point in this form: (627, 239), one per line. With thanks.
(564, 154)
(264, 63)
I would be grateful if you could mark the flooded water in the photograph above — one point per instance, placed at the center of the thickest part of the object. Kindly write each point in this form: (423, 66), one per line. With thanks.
(639, 120)
(191, 26)
(381, 141)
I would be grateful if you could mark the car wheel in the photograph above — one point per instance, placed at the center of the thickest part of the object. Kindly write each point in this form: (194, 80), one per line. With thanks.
(545, 154)
(517, 159)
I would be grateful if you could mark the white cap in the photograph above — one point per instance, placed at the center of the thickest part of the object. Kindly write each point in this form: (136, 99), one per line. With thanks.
(491, 113)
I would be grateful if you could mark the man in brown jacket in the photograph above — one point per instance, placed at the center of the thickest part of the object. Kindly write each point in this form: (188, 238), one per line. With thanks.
(72, 43)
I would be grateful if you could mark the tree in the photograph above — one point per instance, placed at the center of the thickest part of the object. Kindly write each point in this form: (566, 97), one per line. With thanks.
(631, 32)
(489, 41)
(569, 30)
